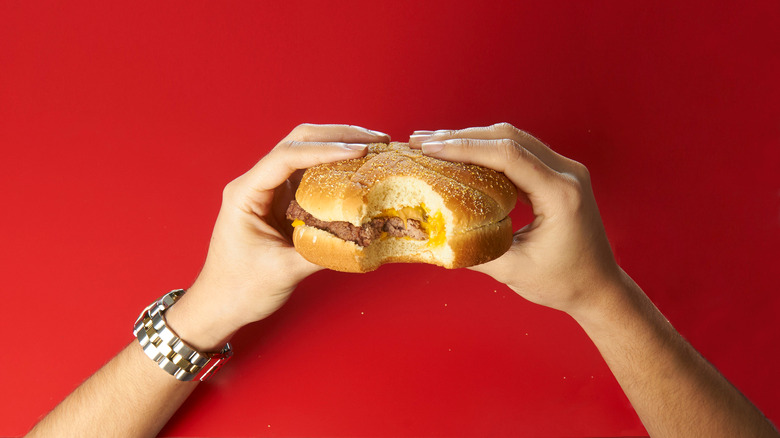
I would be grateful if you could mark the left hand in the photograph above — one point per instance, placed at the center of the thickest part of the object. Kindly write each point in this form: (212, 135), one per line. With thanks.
(562, 259)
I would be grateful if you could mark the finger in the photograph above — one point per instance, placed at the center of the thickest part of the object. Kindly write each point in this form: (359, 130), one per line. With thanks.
(524, 169)
(336, 133)
(492, 132)
(304, 268)
(296, 177)
(507, 266)
(281, 201)
(500, 130)
(419, 136)
(503, 268)
(289, 156)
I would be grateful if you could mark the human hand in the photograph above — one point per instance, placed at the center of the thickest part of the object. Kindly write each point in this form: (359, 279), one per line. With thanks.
(252, 267)
(562, 259)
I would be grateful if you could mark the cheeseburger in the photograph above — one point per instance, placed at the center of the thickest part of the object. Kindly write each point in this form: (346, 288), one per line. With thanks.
(398, 205)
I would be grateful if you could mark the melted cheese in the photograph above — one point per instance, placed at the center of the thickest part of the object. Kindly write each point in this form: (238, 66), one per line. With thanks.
(435, 228)
(432, 224)
(298, 222)
(406, 213)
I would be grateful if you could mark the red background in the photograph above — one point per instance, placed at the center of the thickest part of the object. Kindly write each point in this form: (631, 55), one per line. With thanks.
(120, 124)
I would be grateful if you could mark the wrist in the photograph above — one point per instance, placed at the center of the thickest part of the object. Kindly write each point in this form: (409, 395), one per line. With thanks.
(612, 301)
(197, 324)
(603, 298)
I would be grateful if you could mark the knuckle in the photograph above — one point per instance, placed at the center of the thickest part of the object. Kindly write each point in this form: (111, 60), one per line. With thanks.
(508, 130)
(524, 135)
(287, 146)
(581, 171)
(459, 141)
(303, 127)
(280, 147)
(572, 192)
(511, 151)
(465, 144)
(230, 189)
(504, 129)
(302, 131)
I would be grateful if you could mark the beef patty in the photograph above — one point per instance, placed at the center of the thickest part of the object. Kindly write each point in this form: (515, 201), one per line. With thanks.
(365, 234)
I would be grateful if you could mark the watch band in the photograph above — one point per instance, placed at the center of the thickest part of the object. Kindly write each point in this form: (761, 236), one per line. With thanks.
(171, 353)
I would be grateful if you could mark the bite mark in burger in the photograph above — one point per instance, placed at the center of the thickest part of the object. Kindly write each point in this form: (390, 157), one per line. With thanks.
(398, 205)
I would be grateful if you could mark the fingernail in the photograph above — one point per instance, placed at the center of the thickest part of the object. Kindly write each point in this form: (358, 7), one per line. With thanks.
(432, 147)
(377, 133)
(355, 146)
(422, 133)
(419, 137)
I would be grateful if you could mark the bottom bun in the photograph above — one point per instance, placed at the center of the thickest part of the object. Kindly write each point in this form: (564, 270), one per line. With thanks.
(471, 248)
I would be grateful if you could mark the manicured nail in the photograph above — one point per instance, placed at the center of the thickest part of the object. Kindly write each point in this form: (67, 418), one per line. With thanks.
(355, 146)
(377, 133)
(422, 133)
(419, 137)
(432, 147)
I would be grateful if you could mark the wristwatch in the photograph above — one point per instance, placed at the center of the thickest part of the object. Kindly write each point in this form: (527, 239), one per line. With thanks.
(163, 346)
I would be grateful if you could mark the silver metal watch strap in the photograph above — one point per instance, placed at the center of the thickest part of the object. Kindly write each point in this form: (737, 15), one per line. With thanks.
(172, 354)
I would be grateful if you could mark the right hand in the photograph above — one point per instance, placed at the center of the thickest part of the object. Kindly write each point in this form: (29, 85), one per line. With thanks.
(252, 267)
(562, 259)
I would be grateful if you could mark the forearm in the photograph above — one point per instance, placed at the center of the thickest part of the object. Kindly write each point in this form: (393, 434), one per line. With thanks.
(130, 396)
(675, 391)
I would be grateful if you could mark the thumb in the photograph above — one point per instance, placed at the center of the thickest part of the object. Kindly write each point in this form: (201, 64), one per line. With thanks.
(509, 266)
